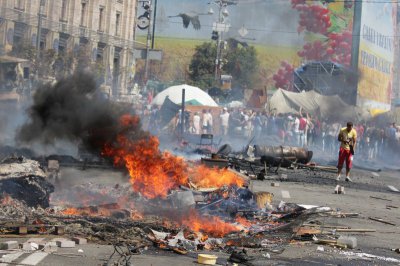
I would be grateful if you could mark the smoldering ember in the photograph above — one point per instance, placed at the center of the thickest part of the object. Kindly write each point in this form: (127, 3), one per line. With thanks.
(241, 133)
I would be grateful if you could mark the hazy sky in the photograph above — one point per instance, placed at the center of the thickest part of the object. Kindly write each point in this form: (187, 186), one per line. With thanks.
(267, 21)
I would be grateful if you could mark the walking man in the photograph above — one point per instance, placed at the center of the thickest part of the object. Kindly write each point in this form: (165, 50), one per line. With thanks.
(224, 121)
(348, 138)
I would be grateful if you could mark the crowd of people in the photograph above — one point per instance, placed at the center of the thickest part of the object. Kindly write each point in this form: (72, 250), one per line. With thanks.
(296, 129)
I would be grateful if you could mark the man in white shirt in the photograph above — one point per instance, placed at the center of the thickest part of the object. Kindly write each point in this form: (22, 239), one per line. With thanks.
(196, 123)
(224, 121)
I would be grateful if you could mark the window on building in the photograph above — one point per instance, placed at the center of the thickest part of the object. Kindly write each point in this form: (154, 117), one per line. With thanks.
(117, 23)
(64, 10)
(83, 14)
(20, 4)
(101, 18)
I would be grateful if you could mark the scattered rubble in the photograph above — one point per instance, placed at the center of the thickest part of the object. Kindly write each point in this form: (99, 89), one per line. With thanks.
(25, 180)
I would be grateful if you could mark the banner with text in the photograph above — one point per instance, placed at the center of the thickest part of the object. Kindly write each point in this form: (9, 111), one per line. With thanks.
(376, 54)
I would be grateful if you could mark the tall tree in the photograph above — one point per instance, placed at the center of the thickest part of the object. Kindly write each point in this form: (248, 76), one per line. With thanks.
(240, 61)
(201, 68)
(242, 64)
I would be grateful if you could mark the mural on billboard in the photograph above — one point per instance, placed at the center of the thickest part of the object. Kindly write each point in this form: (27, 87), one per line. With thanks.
(286, 33)
(376, 54)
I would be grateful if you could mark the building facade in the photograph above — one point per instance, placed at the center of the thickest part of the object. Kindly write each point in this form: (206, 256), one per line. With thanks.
(104, 28)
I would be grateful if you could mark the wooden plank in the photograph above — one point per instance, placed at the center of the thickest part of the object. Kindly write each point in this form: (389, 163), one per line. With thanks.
(381, 220)
(356, 230)
(373, 197)
(307, 231)
(327, 226)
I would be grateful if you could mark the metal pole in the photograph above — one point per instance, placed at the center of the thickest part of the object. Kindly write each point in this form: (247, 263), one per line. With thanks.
(183, 113)
(148, 43)
(154, 24)
(220, 32)
(356, 44)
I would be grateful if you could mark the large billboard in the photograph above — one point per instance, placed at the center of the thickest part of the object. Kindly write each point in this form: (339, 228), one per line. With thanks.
(376, 54)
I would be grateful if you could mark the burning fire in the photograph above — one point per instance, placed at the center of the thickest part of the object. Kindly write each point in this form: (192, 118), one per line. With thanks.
(213, 177)
(212, 225)
(154, 173)
(243, 221)
(87, 211)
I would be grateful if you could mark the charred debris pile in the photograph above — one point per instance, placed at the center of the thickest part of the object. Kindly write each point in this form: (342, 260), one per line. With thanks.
(189, 219)
(263, 162)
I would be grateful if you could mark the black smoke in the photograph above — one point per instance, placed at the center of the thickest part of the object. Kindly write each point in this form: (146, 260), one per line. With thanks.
(73, 109)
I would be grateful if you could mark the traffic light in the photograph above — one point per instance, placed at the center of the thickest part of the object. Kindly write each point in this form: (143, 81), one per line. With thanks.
(214, 35)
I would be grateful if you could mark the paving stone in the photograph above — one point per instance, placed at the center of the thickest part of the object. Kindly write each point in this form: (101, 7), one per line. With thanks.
(9, 245)
(79, 240)
(65, 243)
(29, 246)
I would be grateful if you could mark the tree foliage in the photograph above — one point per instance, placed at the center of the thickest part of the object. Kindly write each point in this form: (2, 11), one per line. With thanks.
(201, 68)
(239, 61)
(242, 64)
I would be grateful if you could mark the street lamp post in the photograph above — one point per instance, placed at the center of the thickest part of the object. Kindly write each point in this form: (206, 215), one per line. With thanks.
(154, 24)
(218, 44)
(148, 44)
(39, 28)
(220, 26)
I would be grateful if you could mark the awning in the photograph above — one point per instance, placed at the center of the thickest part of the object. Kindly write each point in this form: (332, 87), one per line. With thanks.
(6, 59)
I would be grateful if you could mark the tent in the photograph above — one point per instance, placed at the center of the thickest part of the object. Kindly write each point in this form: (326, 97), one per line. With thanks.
(193, 96)
(332, 107)
(168, 111)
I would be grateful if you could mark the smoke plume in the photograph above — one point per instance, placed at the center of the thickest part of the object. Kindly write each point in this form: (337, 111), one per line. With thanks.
(73, 109)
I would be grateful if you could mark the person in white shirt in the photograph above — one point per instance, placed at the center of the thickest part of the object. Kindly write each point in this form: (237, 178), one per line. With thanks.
(224, 121)
(210, 122)
(196, 123)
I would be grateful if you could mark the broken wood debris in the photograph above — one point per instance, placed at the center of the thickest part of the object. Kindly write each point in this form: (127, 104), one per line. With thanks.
(374, 197)
(355, 230)
(344, 214)
(381, 220)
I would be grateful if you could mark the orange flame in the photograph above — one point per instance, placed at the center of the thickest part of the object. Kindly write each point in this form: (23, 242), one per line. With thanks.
(243, 221)
(212, 225)
(205, 177)
(87, 211)
(154, 173)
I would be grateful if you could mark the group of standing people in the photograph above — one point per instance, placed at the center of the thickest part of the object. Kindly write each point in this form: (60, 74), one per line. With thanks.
(295, 129)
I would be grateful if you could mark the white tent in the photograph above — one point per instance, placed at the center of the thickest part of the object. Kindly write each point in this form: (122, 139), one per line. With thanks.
(314, 103)
(193, 96)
